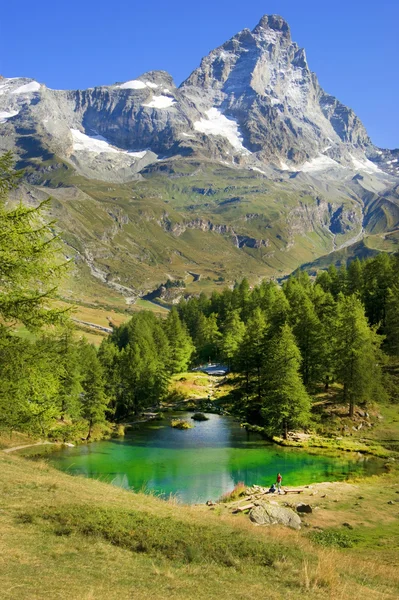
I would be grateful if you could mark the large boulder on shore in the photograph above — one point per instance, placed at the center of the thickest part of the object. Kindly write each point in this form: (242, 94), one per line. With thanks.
(270, 514)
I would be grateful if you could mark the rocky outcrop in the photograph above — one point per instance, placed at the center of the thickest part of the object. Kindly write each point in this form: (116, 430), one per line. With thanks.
(239, 240)
(271, 514)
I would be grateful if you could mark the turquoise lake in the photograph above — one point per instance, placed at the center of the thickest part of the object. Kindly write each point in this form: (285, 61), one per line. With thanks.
(200, 464)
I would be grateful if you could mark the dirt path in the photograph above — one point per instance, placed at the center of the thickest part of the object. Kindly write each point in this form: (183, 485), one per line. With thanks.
(8, 450)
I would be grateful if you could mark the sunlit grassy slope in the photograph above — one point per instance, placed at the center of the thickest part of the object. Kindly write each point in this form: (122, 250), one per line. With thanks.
(69, 537)
(180, 222)
(204, 223)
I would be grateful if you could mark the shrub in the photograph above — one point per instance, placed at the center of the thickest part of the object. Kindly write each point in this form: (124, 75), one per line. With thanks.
(180, 424)
(333, 538)
(236, 493)
(119, 431)
(68, 432)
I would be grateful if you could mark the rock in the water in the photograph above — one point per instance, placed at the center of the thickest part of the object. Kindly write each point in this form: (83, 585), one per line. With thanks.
(304, 508)
(268, 514)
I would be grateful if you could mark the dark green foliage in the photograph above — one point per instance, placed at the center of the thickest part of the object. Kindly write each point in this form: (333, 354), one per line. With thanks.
(71, 376)
(138, 360)
(232, 337)
(181, 347)
(29, 384)
(30, 263)
(357, 354)
(250, 363)
(308, 330)
(286, 404)
(339, 323)
(94, 400)
(332, 538)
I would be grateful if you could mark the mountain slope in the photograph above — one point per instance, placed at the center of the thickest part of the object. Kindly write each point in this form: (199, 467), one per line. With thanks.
(248, 168)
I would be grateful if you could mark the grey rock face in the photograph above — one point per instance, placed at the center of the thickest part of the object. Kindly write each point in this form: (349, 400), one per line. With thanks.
(261, 78)
(253, 102)
(270, 514)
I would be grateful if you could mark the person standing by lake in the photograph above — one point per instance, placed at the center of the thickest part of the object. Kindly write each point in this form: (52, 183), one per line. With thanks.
(279, 480)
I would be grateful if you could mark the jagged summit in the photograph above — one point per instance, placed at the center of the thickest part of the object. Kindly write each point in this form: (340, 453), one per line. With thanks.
(275, 22)
(252, 102)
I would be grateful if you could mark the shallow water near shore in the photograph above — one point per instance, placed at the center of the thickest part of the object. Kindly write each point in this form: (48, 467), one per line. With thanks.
(200, 464)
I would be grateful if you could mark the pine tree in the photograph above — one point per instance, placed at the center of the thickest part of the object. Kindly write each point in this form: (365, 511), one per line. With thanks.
(379, 277)
(392, 322)
(70, 376)
(286, 404)
(307, 329)
(180, 342)
(30, 267)
(94, 400)
(250, 362)
(207, 337)
(232, 336)
(29, 384)
(109, 356)
(355, 278)
(357, 354)
(274, 304)
(30, 264)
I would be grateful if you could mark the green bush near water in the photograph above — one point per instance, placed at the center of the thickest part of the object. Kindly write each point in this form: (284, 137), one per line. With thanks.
(180, 424)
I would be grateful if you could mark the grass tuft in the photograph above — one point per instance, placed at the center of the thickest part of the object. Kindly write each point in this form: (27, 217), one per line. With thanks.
(333, 538)
(165, 537)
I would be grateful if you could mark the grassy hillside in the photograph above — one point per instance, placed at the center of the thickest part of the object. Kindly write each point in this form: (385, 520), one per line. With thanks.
(68, 537)
(182, 218)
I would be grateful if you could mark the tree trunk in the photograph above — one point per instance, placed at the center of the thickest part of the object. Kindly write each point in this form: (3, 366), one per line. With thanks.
(285, 431)
(90, 428)
(327, 383)
(351, 407)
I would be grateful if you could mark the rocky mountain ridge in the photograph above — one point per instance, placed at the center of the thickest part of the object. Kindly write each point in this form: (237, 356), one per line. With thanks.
(252, 102)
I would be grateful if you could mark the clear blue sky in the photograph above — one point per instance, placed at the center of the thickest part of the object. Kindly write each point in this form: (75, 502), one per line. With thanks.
(352, 45)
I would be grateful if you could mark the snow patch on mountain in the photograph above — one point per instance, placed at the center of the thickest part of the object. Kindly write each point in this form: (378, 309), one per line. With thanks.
(96, 143)
(4, 115)
(99, 145)
(136, 84)
(319, 163)
(364, 164)
(160, 102)
(136, 154)
(218, 124)
(28, 88)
